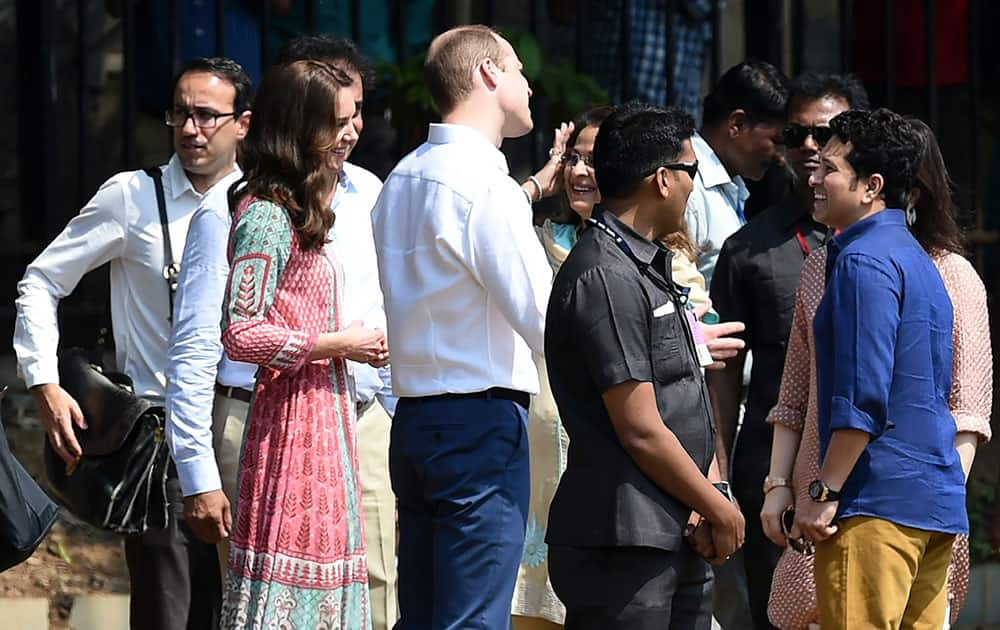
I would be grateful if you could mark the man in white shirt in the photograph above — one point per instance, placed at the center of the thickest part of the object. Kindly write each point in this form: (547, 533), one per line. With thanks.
(206, 435)
(466, 285)
(174, 584)
(740, 134)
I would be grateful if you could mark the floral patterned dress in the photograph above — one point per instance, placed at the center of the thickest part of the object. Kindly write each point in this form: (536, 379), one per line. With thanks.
(297, 555)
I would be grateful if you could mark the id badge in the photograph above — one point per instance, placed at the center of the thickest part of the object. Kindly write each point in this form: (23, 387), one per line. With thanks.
(700, 346)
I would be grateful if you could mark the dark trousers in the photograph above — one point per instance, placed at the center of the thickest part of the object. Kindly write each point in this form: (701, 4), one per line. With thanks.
(632, 588)
(174, 577)
(459, 469)
(760, 555)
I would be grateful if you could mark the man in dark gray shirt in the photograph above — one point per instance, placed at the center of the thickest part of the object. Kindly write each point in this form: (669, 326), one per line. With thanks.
(623, 365)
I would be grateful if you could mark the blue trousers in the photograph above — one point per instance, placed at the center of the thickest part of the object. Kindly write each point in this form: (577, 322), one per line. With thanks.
(459, 469)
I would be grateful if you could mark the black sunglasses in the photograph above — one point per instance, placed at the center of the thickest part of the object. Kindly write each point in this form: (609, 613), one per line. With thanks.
(795, 135)
(691, 168)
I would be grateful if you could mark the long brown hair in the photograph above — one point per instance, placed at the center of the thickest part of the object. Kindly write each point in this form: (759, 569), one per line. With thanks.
(285, 153)
(936, 228)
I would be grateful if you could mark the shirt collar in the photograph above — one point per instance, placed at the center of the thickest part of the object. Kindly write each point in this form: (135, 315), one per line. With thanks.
(345, 180)
(791, 213)
(643, 249)
(886, 217)
(442, 133)
(710, 168)
(176, 182)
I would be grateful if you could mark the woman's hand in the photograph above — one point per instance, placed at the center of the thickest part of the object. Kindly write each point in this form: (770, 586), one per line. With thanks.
(775, 503)
(364, 345)
(550, 176)
(356, 342)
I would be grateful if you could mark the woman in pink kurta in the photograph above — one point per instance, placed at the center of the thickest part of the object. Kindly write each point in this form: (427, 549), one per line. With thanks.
(297, 552)
(793, 589)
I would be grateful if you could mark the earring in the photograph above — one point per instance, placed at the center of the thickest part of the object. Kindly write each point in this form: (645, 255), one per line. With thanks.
(911, 215)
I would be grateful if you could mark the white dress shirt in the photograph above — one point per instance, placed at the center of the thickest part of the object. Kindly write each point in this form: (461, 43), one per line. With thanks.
(715, 207)
(465, 279)
(196, 360)
(120, 225)
(354, 246)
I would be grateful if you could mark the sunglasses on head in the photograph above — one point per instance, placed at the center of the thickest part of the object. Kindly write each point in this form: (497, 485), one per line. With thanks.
(795, 135)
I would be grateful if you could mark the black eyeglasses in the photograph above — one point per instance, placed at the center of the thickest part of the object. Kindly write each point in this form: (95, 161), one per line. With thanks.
(795, 135)
(573, 158)
(691, 168)
(204, 118)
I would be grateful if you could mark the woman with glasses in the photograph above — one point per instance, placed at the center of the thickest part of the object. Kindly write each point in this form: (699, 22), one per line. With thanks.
(535, 605)
(795, 450)
(297, 556)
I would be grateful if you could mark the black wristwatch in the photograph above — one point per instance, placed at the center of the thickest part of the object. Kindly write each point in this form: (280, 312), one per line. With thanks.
(725, 489)
(822, 493)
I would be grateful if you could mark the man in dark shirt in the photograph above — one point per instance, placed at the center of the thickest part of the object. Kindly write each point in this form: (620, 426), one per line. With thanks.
(624, 371)
(756, 278)
(890, 495)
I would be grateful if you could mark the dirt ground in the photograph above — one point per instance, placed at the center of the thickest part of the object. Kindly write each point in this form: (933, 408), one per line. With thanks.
(74, 559)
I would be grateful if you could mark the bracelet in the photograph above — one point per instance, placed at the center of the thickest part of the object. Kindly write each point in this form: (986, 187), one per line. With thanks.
(527, 196)
(770, 483)
(537, 185)
(555, 154)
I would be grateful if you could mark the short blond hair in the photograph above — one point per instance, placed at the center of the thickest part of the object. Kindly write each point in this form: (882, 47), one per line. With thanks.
(452, 60)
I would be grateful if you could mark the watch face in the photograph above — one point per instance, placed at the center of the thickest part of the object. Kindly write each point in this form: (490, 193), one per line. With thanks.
(816, 490)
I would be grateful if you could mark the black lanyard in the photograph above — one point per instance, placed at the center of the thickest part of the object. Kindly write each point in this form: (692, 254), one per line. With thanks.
(678, 293)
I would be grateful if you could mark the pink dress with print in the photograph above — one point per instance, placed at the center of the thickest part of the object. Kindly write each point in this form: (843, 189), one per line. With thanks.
(297, 556)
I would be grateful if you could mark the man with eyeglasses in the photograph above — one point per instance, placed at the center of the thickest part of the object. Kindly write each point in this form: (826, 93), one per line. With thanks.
(756, 277)
(174, 577)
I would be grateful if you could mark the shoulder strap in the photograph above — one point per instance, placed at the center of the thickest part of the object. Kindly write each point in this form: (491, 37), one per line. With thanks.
(171, 270)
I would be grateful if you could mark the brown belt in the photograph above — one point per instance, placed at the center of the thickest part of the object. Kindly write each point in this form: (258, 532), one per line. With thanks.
(236, 393)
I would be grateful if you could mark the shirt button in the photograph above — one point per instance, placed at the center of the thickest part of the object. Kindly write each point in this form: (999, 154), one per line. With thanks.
(199, 32)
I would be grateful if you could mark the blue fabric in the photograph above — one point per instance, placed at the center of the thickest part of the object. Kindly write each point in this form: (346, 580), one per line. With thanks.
(196, 31)
(564, 235)
(883, 364)
(459, 468)
(688, 37)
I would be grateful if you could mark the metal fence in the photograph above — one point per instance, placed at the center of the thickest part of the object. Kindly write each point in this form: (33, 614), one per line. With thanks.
(47, 57)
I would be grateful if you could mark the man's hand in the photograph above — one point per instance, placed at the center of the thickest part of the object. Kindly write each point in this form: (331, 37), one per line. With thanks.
(720, 344)
(208, 515)
(815, 520)
(698, 534)
(59, 412)
(728, 531)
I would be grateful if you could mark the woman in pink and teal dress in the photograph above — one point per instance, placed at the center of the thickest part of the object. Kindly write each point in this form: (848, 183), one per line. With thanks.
(297, 556)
